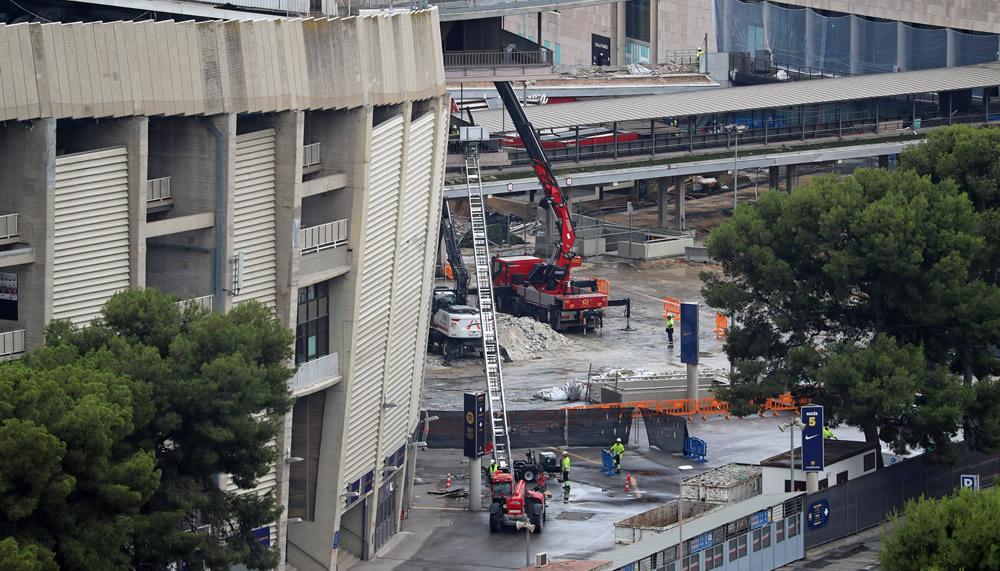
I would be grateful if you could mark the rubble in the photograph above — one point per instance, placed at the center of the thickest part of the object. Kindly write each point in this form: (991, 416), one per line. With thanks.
(526, 339)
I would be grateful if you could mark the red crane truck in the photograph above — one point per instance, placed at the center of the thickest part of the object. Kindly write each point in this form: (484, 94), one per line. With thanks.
(530, 286)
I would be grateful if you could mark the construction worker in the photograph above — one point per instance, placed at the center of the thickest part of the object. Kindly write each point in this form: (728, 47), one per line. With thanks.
(670, 330)
(617, 449)
(565, 464)
(493, 469)
(828, 434)
(697, 56)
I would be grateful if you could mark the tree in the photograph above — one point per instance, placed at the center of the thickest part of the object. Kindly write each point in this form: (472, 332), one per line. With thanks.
(874, 259)
(71, 487)
(970, 156)
(957, 532)
(208, 393)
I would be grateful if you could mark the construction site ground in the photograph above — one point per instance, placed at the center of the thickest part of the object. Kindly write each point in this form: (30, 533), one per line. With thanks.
(644, 347)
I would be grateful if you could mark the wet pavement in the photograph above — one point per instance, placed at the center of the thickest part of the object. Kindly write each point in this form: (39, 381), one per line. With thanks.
(442, 534)
(644, 347)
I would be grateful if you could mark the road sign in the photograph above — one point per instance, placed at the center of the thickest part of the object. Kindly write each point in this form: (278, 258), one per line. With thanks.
(569, 181)
(812, 438)
(818, 514)
(969, 481)
(628, 207)
(510, 187)
(475, 424)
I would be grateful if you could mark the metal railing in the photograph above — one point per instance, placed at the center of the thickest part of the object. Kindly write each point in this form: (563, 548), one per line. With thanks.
(310, 155)
(498, 58)
(158, 189)
(277, 6)
(8, 226)
(316, 371)
(329, 235)
(11, 345)
(204, 302)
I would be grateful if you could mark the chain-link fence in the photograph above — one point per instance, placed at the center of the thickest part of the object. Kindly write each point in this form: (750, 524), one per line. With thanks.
(869, 500)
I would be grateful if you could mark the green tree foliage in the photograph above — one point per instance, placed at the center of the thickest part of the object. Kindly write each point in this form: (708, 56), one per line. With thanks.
(968, 155)
(828, 278)
(130, 421)
(956, 532)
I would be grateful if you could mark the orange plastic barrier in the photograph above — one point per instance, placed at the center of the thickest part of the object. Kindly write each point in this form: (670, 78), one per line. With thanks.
(721, 324)
(707, 406)
(603, 286)
(672, 305)
(782, 403)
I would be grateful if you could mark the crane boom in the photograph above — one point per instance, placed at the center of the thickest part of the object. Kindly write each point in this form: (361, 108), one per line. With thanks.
(553, 276)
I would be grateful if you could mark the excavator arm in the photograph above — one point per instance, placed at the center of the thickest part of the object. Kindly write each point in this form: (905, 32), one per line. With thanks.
(454, 256)
(554, 275)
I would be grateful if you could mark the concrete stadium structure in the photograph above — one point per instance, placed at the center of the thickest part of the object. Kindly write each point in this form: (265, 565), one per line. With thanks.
(294, 162)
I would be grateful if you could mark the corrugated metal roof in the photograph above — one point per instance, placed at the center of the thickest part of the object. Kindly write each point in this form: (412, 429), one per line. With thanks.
(751, 97)
(694, 527)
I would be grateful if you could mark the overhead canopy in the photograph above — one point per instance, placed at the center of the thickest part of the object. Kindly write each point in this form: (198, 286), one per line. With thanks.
(767, 96)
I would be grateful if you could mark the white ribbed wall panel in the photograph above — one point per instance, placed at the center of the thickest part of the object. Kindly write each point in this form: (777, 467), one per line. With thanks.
(91, 259)
(253, 215)
(405, 357)
(371, 329)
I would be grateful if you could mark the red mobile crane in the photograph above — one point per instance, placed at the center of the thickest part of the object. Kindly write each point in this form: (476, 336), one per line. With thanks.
(527, 285)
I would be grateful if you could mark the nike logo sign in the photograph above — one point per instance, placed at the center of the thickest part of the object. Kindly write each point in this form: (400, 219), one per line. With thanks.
(811, 437)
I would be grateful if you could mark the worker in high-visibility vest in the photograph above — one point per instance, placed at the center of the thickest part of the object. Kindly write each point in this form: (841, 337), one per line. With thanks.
(493, 469)
(565, 464)
(697, 56)
(670, 330)
(617, 449)
(828, 434)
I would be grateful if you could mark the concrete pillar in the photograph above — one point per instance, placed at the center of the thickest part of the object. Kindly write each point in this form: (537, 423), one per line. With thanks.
(680, 222)
(654, 32)
(812, 482)
(539, 26)
(28, 164)
(692, 381)
(902, 46)
(662, 197)
(952, 47)
(774, 180)
(883, 161)
(600, 193)
(226, 124)
(791, 177)
(475, 485)
(618, 33)
(857, 55)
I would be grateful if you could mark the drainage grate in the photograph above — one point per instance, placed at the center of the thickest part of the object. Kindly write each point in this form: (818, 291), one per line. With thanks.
(576, 516)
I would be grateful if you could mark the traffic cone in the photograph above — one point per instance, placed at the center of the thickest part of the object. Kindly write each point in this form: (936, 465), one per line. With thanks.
(628, 482)
(447, 483)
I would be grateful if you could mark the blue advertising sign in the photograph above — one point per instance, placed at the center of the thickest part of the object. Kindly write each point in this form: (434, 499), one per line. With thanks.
(812, 439)
(700, 543)
(689, 333)
(760, 519)
(818, 514)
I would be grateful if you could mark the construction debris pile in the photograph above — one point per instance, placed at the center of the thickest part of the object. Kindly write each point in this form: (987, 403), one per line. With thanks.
(525, 339)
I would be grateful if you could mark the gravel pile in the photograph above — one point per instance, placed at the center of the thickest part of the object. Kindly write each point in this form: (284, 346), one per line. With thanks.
(525, 339)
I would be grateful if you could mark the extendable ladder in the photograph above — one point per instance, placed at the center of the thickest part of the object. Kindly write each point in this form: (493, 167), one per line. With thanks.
(487, 312)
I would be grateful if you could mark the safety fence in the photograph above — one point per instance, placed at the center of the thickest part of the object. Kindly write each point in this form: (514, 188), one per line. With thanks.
(869, 500)
(703, 407)
(530, 428)
(665, 431)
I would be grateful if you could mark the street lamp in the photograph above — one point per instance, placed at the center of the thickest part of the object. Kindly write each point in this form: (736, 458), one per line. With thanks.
(735, 130)
(791, 425)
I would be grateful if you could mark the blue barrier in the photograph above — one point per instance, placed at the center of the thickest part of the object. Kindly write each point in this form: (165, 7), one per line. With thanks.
(696, 449)
(607, 463)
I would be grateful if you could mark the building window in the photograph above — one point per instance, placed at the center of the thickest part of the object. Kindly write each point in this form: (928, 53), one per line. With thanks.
(637, 19)
(842, 477)
(307, 435)
(756, 540)
(824, 483)
(692, 562)
(738, 548)
(869, 461)
(765, 537)
(800, 486)
(779, 531)
(793, 527)
(312, 331)
(713, 558)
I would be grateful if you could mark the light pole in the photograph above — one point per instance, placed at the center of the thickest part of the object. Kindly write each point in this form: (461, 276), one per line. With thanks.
(528, 528)
(791, 425)
(736, 131)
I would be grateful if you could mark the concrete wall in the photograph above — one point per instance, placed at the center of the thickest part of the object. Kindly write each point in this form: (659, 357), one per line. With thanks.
(27, 164)
(181, 264)
(571, 29)
(660, 248)
(188, 68)
(775, 478)
(183, 148)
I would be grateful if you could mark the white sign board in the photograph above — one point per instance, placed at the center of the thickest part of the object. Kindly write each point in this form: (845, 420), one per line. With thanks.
(969, 481)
